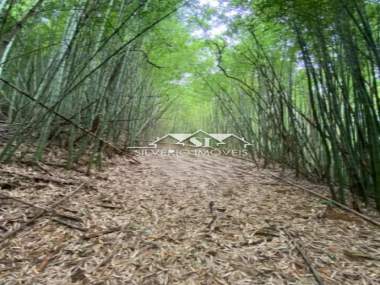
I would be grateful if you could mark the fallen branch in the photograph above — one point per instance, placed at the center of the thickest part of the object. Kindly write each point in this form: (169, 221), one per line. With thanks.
(309, 264)
(70, 225)
(102, 233)
(68, 217)
(40, 177)
(108, 258)
(359, 255)
(118, 247)
(331, 201)
(52, 211)
(109, 206)
(41, 213)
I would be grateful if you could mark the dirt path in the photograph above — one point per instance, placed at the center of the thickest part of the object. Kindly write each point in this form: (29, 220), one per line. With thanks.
(191, 220)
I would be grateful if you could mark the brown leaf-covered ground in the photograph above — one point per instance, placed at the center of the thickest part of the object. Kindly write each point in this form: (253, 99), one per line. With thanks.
(186, 220)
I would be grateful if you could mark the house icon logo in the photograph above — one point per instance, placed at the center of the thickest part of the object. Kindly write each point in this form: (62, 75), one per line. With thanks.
(199, 139)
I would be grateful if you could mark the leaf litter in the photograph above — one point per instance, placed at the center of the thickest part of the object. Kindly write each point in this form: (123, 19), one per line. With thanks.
(186, 220)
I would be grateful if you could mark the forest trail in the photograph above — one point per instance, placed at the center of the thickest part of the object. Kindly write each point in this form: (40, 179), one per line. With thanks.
(186, 220)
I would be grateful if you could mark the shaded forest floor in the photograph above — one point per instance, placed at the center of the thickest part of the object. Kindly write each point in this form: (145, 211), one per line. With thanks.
(191, 220)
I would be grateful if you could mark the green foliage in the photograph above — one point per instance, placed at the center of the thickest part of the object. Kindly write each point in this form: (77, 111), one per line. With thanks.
(299, 78)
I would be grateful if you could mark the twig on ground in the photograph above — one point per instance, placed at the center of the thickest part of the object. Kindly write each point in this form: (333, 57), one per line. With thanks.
(299, 247)
(102, 233)
(70, 225)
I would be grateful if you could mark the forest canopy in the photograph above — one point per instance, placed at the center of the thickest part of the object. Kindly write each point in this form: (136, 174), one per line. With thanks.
(299, 79)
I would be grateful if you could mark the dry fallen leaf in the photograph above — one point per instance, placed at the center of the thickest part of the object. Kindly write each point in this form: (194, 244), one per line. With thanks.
(187, 220)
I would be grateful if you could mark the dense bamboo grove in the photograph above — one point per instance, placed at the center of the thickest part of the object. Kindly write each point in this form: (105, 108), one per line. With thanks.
(304, 87)
(76, 72)
(299, 79)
